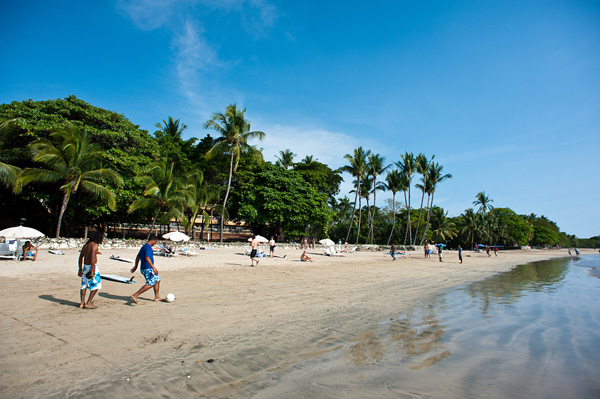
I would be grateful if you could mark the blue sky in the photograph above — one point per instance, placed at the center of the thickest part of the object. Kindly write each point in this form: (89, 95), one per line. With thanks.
(505, 94)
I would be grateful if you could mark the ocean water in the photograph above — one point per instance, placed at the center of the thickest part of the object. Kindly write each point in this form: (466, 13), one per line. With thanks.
(533, 332)
(530, 332)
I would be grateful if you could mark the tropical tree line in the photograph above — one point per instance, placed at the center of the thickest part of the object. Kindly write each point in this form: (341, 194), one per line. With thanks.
(66, 164)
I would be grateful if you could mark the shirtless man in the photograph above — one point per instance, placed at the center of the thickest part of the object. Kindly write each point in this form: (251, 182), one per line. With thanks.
(88, 269)
(255, 245)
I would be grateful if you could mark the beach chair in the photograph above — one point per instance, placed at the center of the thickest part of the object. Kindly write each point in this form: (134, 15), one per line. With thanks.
(162, 251)
(7, 251)
(247, 250)
(330, 251)
(187, 252)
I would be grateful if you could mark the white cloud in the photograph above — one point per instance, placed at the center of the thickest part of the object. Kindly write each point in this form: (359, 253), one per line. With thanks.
(194, 56)
(148, 14)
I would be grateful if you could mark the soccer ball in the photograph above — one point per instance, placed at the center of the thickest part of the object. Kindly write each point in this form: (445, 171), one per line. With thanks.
(170, 297)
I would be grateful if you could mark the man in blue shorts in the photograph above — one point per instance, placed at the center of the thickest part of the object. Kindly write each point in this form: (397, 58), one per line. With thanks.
(148, 270)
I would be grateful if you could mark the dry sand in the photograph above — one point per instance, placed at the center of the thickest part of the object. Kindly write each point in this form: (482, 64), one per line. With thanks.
(247, 321)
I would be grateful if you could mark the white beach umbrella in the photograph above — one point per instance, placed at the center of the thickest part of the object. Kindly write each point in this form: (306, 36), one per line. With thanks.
(21, 232)
(327, 242)
(176, 236)
(259, 238)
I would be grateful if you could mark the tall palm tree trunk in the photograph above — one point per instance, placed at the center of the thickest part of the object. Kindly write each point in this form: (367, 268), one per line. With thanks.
(409, 218)
(374, 208)
(359, 211)
(369, 218)
(394, 217)
(419, 220)
(226, 196)
(406, 230)
(428, 216)
(63, 207)
(352, 218)
(153, 223)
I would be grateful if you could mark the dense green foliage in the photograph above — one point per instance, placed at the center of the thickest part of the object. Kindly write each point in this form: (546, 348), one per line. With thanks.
(280, 201)
(162, 177)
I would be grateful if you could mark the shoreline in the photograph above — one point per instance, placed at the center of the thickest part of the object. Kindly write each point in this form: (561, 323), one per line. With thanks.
(248, 320)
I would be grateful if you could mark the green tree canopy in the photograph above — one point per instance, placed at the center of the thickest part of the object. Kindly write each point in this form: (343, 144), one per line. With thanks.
(281, 199)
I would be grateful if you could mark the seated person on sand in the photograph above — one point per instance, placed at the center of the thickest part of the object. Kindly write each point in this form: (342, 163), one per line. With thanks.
(305, 258)
(29, 251)
(166, 248)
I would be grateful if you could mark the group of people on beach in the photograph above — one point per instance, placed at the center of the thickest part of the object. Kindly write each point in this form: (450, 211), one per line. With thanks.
(91, 279)
(254, 251)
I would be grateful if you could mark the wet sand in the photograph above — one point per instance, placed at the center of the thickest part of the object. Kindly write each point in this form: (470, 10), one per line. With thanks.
(230, 327)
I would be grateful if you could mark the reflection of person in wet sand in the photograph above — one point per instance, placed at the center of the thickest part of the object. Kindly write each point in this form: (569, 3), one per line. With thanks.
(88, 269)
(305, 258)
(148, 270)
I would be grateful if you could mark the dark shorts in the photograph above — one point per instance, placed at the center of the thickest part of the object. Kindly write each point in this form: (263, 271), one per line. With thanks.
(253, 253)
(272, 248)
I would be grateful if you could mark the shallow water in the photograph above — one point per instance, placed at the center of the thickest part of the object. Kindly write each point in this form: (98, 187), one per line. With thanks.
(529, 332)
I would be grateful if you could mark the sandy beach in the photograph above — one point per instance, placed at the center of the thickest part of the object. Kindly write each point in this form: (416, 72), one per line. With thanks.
(229, 325)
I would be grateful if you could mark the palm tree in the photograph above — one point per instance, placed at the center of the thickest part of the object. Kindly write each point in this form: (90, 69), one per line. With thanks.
(469, 221)
(198, 194)
(8, 173)
(162, 190)
(235, 133)
(357, 168)
(483, 201)
(394, 183)
(71, 158)
(422, 165)
(434, 177)
(171, 128)
(408, 167)
(366, 187)
(286, 158)
(308, 159)
(375, 167)
(442, 227)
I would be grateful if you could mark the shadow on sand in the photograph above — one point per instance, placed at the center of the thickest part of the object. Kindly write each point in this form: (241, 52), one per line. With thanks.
(52, 298)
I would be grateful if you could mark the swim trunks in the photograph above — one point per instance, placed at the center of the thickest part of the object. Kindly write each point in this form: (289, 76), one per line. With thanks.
(150, 277)
(253, 253)
(94, 283)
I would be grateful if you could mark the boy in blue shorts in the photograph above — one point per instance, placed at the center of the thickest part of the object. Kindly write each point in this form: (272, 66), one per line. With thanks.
(88, 269)
(148, 270)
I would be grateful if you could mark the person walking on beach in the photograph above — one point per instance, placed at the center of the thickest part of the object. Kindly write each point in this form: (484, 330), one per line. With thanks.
(255, 245)
(439, 248)
(495, 251)
(88, 269)
(393, 252)
(460, 254)
(145, 257)
(272, 247)
(570, 254)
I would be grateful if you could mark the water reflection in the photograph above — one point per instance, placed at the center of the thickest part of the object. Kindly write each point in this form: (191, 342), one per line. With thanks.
(508, 287)
(418, 337)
